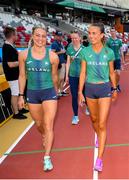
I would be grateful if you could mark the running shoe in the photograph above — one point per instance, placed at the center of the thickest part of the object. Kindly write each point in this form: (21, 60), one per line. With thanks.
(75, 120)
(87, 111)
(97, 143)
(60, 94)
(23, 111)
(118, 88)
(19, 116)
(64, 93)
(98, 165)
(48, 166)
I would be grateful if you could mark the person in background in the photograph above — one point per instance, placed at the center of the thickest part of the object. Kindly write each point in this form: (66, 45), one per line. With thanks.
(124, 49)
(97, 72)
(115, 44)
(73, 66)
(85, 41)
(11, 70)
(59, 49)
(39, 65)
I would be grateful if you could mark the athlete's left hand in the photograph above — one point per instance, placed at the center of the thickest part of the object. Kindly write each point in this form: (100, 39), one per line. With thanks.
(114, 96)
(81, 99)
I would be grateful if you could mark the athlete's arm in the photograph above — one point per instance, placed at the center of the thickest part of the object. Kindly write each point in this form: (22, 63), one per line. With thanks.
(81, 82)
(112, 74)
(67, 68)
(122, 56)
(113, 79)
(54, 61)
(59, 52)
(22, 74)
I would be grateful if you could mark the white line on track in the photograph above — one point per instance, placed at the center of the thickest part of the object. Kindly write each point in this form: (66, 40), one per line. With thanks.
(66, 88)
(16, 142)
(95, 173)
(20, 137)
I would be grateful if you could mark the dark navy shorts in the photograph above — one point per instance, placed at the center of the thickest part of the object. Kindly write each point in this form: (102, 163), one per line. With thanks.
(117, 64)
(96, 91)
(38, 96)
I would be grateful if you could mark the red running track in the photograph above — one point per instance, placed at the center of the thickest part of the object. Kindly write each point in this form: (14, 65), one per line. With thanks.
(76, 164)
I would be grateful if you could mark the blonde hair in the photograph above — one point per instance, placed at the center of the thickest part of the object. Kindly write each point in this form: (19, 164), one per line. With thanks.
(31, 42)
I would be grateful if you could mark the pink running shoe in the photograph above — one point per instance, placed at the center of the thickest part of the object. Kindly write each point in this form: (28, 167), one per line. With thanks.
(98, 165)
(97, 143)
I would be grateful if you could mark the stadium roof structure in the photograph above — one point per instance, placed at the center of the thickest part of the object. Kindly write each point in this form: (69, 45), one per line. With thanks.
(81, 5)
(122, 5)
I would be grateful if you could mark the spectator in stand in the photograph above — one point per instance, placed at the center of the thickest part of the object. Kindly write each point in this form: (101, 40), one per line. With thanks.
(11, 70)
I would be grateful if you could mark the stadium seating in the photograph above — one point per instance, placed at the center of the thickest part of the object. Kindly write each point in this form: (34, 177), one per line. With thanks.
(23, 25)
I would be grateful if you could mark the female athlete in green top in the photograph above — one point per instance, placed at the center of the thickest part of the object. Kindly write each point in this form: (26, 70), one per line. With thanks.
(97, 70)
(40, 66)
(73, 67)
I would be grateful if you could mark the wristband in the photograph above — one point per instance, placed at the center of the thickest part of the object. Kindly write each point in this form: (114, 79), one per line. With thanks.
(114, 89)
(20, 94)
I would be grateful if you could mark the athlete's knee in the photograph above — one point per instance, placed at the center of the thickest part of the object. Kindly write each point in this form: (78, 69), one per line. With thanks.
(48, 127)
(102, 126)
(40, 129)
(94, 119)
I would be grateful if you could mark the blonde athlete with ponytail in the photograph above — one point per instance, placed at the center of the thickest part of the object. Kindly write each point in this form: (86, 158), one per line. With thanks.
(39, 65)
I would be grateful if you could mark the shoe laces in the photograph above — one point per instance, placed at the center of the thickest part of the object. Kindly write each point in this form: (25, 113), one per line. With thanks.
(47, 161)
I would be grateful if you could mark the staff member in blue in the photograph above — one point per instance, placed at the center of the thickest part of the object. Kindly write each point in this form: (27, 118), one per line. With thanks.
(59, 49)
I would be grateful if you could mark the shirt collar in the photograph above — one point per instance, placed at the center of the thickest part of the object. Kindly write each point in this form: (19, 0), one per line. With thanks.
(7, 42)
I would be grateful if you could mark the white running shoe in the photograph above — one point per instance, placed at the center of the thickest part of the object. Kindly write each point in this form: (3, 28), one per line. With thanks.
(87, 111)
(48, 166)
(75, 120)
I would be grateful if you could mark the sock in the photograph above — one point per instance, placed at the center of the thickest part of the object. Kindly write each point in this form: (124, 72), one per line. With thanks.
(46, 157)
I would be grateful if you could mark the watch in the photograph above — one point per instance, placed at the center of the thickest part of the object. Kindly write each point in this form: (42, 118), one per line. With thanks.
(20, 94)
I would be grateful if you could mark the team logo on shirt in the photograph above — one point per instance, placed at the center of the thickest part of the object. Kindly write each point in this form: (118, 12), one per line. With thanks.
(94, 63)
(90, 56)
(46, 63)
(38, 69)
(28, 62)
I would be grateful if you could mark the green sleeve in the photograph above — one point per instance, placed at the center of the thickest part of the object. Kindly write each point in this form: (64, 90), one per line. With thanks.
(120, 43)
(112, 56)
(107, 43)
(83, 54)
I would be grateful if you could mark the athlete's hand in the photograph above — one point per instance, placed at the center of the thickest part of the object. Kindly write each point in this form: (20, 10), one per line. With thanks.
(63, 51)
(114, 96)
(81, 99)
(21, 102)
(67, 80)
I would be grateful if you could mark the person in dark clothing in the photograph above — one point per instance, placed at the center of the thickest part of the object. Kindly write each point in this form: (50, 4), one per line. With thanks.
(11, 70)
(58, 47)
(85, 41)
